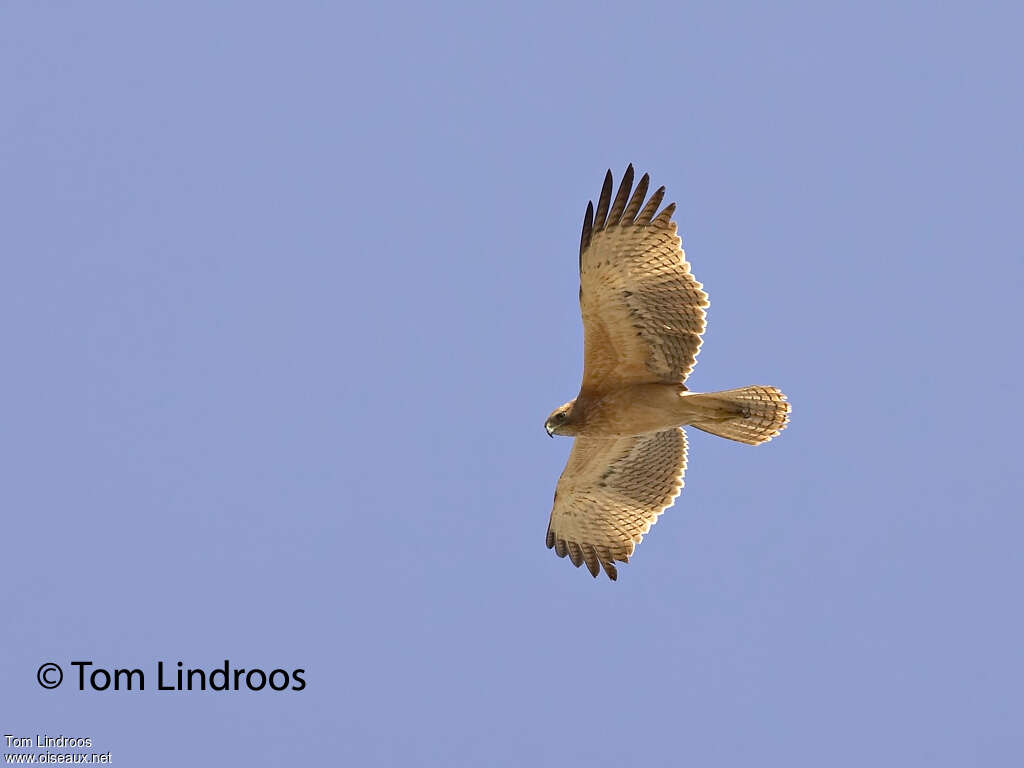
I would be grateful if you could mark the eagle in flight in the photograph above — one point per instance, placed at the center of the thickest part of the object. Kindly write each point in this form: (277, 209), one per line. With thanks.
(643, 316)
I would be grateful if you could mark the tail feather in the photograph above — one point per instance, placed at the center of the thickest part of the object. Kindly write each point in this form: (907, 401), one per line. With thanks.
(751, 415)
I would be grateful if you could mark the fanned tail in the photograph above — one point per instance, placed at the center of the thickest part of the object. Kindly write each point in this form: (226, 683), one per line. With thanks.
(751, 415)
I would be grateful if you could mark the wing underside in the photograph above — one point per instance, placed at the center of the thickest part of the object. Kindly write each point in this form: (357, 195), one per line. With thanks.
(643, 312)
(610, 494)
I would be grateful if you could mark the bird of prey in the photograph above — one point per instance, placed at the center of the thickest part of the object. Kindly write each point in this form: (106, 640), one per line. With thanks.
(643, 316)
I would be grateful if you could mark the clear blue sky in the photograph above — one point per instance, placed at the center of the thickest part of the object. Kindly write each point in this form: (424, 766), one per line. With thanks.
(288, 290)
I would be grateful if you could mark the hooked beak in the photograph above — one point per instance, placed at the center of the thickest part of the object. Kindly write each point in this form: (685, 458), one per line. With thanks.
(550, 431)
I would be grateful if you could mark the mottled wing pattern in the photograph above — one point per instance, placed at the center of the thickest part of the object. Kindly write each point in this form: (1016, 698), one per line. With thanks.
(643, 312)
(611, 493)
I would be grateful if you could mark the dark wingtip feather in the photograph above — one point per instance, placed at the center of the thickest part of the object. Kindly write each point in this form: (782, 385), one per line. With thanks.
(603, 201)
(625, 187)
(629, 215)
(575, 553)
(588, 230)
(649, 210)
(665, 216)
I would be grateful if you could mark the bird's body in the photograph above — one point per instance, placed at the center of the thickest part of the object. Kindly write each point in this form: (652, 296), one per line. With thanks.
(643, 317)
(632, 409)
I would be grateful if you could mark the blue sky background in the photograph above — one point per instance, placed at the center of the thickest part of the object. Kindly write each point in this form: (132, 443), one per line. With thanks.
(287, 291)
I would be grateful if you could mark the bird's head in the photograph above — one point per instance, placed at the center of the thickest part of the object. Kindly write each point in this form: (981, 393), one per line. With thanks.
(560, 422)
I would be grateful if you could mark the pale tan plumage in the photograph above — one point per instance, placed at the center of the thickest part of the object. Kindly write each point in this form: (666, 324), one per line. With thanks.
(643, 316)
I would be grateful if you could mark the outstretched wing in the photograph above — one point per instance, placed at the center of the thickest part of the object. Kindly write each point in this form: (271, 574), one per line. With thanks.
(611, 493)
(643, 312)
